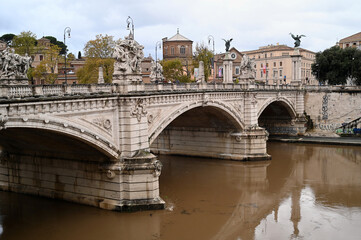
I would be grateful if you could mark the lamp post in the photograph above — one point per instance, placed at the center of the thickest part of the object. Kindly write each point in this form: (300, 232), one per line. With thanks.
(130, 21)
(211, 38)
(66, 30)
(157, 45)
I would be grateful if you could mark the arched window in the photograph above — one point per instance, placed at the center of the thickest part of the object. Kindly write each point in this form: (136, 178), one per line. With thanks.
(172, 51)
(182, 50)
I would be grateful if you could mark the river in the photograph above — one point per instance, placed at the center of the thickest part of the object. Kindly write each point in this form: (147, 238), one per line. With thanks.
(304, 192)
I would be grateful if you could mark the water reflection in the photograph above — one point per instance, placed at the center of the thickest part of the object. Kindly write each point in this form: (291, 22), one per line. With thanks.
(304, 192)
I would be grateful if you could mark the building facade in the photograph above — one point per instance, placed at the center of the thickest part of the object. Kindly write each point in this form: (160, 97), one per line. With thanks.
(273, 64)
(351, 41)
(178, 47)
(218, 65)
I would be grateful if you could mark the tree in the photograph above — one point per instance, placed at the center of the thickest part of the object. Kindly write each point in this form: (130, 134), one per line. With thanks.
(101, 47)
(8, 38)
(60, 44)
(46, 69)
(335, 65)
(203, 54)
(99, 54)
(173, 70)
(90, 72)
(24, 43)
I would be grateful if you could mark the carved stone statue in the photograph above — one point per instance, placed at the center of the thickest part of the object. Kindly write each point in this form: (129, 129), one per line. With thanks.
(297, 39)
(14, 66)
(227, 43)
(128, 55)
(247, 67)
(156, 72)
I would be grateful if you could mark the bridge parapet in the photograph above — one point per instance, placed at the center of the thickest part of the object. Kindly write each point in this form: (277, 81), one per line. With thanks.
(19, 91)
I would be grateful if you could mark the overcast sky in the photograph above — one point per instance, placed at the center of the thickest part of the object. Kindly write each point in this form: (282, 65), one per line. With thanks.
(251, 23)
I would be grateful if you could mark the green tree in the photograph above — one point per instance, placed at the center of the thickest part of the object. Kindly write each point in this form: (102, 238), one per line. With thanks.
(173, 70)
(8, 38)
(203, 54)
(335, 65)
(46, 69)
(90, 72)
(60, 44)
(24, 43)
(99, 54)
(101, 47)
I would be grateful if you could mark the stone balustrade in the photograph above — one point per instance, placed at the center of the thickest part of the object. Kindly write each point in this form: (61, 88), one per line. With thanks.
(20, 91)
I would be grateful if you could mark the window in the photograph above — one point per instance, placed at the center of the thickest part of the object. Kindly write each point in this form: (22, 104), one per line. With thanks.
(274, 64)
(280, 64)
(41, 57)
(237, 70)
(182, 50)
(266, 64)
(275, 73)
(261, 73)
(280, 72)
(172, 51)
(261, 65)
(271, 54)
(265, 55)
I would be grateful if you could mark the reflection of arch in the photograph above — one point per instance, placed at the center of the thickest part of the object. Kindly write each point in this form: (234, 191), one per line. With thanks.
(69, 129)
(284, 101)
(229, 112)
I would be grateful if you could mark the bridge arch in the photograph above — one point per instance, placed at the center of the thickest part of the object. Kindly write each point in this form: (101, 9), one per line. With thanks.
(277, 116)
(229, 112)
(281, 100)
(64, 129)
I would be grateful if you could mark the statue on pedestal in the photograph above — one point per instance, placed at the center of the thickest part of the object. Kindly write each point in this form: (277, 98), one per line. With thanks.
(297, 39)
(128, 55)
(14, 66)
(227, 43)
(247, 67)
(156, 72)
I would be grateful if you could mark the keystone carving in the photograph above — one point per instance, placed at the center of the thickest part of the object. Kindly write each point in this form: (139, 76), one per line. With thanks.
(139, 110)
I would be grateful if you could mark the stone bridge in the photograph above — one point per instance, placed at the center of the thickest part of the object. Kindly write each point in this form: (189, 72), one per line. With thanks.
(92, 144)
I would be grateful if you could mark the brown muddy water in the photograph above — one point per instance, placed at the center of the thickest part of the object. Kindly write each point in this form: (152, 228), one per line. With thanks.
(304, 192)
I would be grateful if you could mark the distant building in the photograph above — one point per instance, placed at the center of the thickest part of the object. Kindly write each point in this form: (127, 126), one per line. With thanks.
(146, 66)
(351, 41)
(273, 64)
(218, 64)
(3, 45)
(178, 47)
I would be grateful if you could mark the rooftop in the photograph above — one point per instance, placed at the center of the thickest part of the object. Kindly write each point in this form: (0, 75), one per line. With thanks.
(178, 37)
(352, 38)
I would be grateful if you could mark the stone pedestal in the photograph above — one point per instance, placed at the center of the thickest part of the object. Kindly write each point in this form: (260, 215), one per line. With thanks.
(13, 81)
(227, 68)
(296, 68)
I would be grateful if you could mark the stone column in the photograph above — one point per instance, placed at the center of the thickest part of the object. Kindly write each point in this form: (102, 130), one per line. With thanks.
(227, 68)
(296, 67)
(201, 78)
(100, 77)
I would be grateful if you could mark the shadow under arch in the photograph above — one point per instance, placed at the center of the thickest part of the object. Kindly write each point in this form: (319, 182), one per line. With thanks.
(52, 137)
(199, 130)
(224, 110)
(278, 116)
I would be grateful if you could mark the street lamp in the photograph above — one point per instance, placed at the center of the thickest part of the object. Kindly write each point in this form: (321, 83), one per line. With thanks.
(157, 45)
(66, 30)
(130, 21)
(211, 38)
